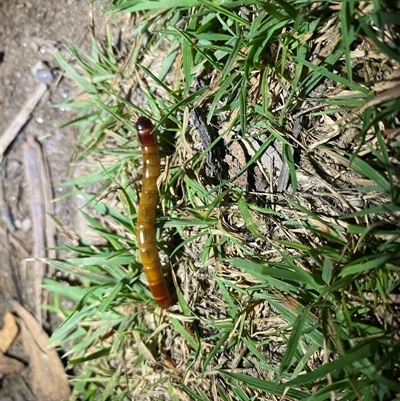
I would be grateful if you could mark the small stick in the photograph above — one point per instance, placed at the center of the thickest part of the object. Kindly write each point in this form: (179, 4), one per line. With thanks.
(20, 120)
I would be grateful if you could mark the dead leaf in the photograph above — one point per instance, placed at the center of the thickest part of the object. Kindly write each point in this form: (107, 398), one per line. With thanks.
(9, 365)
(8, 333)
(47, 377)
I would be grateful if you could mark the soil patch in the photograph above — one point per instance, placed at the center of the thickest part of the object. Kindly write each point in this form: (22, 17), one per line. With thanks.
(32, 167)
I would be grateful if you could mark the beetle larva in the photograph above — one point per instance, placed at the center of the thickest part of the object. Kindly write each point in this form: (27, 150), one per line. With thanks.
(146, 232)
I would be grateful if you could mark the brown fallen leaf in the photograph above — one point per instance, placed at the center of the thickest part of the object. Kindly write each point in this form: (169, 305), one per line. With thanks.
(47, 377)
(8, 333)
(9, 365)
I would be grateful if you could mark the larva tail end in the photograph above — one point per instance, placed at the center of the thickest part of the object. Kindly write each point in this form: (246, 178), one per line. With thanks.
(160, 291)
(164, 303)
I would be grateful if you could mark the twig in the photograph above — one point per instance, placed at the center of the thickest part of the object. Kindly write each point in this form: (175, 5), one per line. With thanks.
(20, 120)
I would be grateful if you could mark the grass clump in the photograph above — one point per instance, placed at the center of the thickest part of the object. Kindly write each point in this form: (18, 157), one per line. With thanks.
(279, 217)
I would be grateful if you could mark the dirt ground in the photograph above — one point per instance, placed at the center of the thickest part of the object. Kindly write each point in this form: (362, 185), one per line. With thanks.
(33, 165)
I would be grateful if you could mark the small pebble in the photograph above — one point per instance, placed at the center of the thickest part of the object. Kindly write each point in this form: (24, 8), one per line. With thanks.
(44, 75)
(26, 225)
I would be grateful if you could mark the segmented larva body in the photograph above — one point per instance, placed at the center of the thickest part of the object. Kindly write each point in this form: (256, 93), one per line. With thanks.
(146, 232)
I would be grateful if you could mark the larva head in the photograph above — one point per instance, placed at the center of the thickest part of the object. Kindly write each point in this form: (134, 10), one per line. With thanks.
(145, 131)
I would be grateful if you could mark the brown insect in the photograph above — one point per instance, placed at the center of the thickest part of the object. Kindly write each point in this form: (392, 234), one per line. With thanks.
(146, 232)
